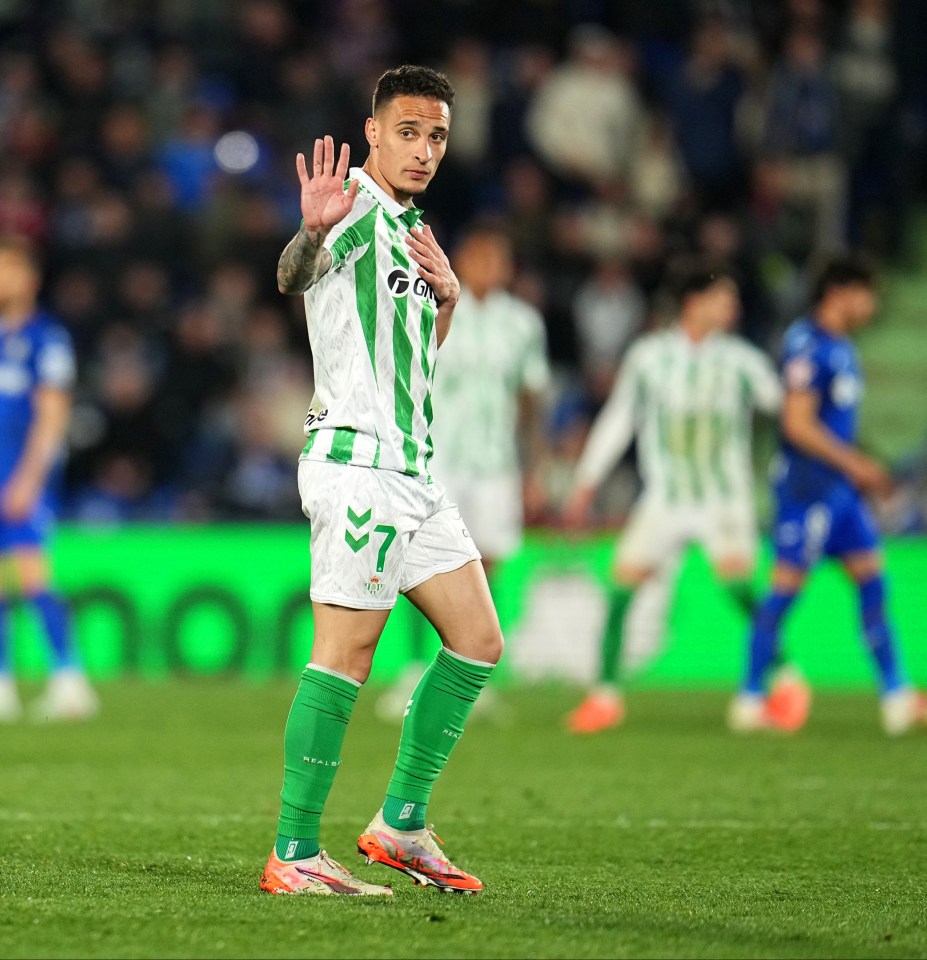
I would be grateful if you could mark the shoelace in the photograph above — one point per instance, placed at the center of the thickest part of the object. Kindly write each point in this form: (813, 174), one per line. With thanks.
(435, 840)
(334, 865)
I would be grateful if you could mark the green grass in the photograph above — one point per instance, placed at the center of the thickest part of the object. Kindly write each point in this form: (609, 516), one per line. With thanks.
(143, 834)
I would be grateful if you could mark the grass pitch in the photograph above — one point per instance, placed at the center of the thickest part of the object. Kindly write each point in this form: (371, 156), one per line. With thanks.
(143, 833)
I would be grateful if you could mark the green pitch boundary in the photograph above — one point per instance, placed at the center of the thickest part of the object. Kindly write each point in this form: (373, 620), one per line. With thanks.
(157, 600)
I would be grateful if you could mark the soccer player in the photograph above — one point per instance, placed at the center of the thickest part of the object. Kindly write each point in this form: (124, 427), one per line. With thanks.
(487, 404)
(823, 480)
(379, 295)
(36, 375)
(687, 393)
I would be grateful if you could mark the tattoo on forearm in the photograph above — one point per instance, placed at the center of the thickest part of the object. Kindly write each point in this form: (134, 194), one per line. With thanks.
(303, 261)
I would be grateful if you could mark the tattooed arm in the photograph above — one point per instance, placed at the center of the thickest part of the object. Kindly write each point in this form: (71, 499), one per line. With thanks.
(303, 261)
(324, 202)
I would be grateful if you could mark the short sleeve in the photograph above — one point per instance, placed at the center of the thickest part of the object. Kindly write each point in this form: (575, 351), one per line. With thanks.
(762, 379)
(805, 367)
(535, 369)
(353, 233)
(54, 363)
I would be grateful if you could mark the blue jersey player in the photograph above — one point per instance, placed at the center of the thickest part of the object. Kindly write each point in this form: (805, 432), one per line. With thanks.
(821, 486)
(36, 375)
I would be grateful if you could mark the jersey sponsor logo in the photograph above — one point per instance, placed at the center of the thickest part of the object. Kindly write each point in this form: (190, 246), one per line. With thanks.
(398, 283)
(845, 390)
(422, 288)
(799, 373)
(56, 365)
(14, 380)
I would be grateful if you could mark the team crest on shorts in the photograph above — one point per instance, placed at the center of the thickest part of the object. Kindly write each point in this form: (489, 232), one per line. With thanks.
(373, 585)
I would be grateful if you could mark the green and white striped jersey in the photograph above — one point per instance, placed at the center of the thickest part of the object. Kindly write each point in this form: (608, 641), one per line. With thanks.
(371, 321)
(496, 349)
(690, 406)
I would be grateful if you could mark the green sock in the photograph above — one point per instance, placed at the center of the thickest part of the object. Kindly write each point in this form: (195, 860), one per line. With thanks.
(434, 723)
(613, 633)
(743, 594)
(312, 754)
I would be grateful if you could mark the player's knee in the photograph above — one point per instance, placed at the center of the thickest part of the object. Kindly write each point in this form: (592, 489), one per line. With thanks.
(494, 646)
(485, 644)
(357, 667)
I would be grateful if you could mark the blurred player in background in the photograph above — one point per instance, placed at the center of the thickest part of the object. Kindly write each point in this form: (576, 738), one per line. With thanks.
(820, 489)
(687, 393)
(36, 377)
(379, 296)
(487, 399)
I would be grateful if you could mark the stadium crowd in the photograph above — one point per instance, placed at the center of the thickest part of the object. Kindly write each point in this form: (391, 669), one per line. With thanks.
(148, 149)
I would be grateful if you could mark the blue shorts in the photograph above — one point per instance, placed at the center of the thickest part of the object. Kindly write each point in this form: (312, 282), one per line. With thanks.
(833, 526)
(31, 532)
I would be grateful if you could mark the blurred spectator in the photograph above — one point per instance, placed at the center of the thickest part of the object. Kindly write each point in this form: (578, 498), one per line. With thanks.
(122, 460)
(149, 150)
(123, 147)
(188, 159)
(705, 98)
(525, 69)
(609, 312)
(867, 84)
(586, 115)
(801, 180)
(257, 482)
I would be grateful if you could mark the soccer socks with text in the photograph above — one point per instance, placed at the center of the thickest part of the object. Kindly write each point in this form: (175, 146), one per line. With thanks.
(613, 634)
(879, 635)
(432, 726)
(764, 639)
(312, 742)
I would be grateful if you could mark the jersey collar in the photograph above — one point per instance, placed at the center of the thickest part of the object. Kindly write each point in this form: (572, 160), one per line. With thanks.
(408, 215)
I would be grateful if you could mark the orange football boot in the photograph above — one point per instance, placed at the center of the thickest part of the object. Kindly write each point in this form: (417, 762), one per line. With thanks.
(415, 852)
(319, 874)
(599, 711)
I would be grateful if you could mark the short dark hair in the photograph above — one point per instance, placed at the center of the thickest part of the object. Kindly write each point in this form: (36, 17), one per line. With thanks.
(485, 225)
(411, 80)
(842, 271)
(696, 276)
(22, 247)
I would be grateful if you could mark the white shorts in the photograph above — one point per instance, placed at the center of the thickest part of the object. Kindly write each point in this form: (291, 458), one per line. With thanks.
(377, 533)
(657, 530)
(493, 508)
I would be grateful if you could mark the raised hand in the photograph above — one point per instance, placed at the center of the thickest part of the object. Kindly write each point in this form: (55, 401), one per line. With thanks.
(323, 200)
(433, 265)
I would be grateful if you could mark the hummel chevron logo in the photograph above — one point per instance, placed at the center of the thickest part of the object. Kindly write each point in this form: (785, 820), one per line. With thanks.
(357, 520)
(356, 543)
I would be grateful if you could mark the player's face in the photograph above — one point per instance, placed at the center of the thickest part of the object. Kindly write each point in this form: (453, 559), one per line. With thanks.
(484, 263)
(18, 280)
(721, 305)
(859, 303)
(407, 138)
